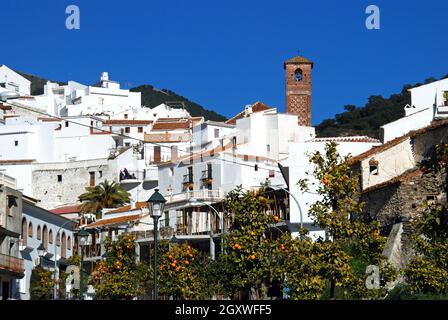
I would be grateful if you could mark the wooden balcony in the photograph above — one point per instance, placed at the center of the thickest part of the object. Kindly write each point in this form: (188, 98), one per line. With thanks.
(11, 265)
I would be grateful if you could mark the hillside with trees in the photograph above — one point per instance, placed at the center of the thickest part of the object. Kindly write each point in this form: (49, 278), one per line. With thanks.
(367, 119)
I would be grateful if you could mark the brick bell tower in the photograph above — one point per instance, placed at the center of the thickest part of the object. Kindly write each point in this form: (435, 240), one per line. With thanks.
(298, 88)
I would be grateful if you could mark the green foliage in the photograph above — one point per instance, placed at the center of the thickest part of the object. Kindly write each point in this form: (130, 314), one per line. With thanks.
(367, 120)
(355, 240)
(152, 97)
(104, 195)
(41, 284)
(119, 276)
(427, 271)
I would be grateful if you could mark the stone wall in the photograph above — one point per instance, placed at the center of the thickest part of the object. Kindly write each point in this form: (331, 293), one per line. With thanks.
(75, 179)
(403, 201)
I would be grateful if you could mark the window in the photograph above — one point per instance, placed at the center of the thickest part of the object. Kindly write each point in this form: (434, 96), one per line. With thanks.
(127, 129)
(69, 243)
(171, 172)
(64, 245)
(256, 167)
(92, 179)
(30, 230)
(59, 177)
(373, 166)
(24, 227)
(373, 169)
(234, 141)
(45, 237)
(50, 237)
(58, 240)
(216, 133)
(16, 143)
(127, 144)
(125, 115)
(268, 148)
(298, 75)
(66, 124)
(140, 129)
(12, 202)
(100, 173)
(271, 173)
(167, 219)
(39, 234)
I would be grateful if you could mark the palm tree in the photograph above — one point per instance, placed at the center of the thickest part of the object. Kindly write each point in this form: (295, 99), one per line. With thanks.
(104, 195)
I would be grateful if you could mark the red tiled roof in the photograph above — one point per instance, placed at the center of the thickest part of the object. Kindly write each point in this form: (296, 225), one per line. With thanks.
(4, 107)
(171, 125)
(396, 141)
(111, 221)
(66, 210)
(347, 139)
(21, 161)
(127, 122)
(138, 206)
(47, 119)
(256, 107)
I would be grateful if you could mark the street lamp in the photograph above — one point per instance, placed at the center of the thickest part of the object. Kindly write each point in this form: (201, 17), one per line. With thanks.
(212, 243)
(82, 236)
(41, 252)
(156, 203)
(56, 271)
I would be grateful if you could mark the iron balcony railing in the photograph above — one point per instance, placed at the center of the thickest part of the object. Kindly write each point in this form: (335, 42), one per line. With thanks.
(206, 175)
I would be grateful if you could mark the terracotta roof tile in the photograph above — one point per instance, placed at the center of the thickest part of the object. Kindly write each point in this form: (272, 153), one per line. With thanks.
(113, 221)
(20, 161)
(138, 206)
(396, 141)
(171, 125)
(256, 107)
(127, 122)
(66, 210)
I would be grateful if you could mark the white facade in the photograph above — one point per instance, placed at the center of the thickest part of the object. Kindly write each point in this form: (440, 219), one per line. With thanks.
(12, 81)
(34, 219)
(428, 102)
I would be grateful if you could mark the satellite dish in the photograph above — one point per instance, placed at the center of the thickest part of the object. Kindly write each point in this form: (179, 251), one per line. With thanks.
(8, 95)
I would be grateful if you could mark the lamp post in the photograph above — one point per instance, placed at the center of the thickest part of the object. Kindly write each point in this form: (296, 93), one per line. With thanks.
(82, 236)
(56, 271)
(41, 252)
(212, 244)
(156, 203)
(296, 201)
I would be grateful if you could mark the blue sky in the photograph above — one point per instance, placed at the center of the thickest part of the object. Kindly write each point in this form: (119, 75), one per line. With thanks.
(224, 54)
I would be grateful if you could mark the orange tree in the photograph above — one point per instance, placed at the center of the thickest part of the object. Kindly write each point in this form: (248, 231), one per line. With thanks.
(119, 276)
(242, 267)
(354, 241)
(41, 284)
(183, 273)
(427, 271)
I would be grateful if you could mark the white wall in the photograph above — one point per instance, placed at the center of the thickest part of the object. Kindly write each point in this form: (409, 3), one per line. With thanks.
(14, 81)
(299, 164)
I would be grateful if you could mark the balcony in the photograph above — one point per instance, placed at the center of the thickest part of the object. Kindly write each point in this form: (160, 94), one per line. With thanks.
(187, 180)
(11, 264)
(206, 176)
(150, 174)
(200, 195)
